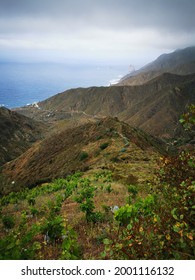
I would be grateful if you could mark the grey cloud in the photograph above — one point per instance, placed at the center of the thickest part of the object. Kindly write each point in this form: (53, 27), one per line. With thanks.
(97, 27)
(163, 14)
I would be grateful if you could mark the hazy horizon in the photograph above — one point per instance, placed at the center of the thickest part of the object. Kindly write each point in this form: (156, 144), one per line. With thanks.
(26, 83)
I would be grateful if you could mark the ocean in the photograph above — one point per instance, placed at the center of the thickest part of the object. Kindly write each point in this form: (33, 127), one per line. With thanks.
(26, 83)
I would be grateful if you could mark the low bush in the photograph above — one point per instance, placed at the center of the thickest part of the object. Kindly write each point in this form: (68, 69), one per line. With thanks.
(83, 156)
(8, 221)
(104, 145)
(160, 226)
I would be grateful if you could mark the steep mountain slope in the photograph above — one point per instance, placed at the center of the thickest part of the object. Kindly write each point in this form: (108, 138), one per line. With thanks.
(181, 62)
(88, 146)
(18, 133)
(155, 106)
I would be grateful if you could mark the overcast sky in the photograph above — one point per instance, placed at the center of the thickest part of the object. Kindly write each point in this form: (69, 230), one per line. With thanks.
(94, 31)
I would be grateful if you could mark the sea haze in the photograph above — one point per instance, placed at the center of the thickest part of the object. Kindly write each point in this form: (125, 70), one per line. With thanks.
(25, 83)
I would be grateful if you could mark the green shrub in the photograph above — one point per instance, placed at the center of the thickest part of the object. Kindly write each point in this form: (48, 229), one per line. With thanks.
(109, 188)
(83, 156)
(104, 145)
(177, 192)
(133, 191)
(176, 169)
(188, 119)
(85, 199)
(19, 245)
(70, 247)
(34, 211)
(31, 200)
(53, 227)
(128, 213)
(8, 221)
(160, 226)
(54, 208)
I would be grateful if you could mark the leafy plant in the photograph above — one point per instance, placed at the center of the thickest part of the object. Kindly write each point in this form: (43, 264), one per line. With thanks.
(54, 207)
(85, 199)
(34, 211)
(55, 186)
(128, 238)
(132, 190)
(70, 247)
(160, 226)
(19, 244)
(31, 200)
(188, 119)
(176, 169)
(8, 221)
(53, 227)
(179, 212)
(129, 213)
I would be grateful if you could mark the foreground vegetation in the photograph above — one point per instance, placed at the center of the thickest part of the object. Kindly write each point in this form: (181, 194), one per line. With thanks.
(74, 218)
(93, 215)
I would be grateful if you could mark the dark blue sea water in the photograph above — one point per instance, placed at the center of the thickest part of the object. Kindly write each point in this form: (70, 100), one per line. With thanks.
(25, 83)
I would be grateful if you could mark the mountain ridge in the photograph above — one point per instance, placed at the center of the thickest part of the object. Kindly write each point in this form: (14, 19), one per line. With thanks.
(181, 61)
(154, 107)
(61, 154)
